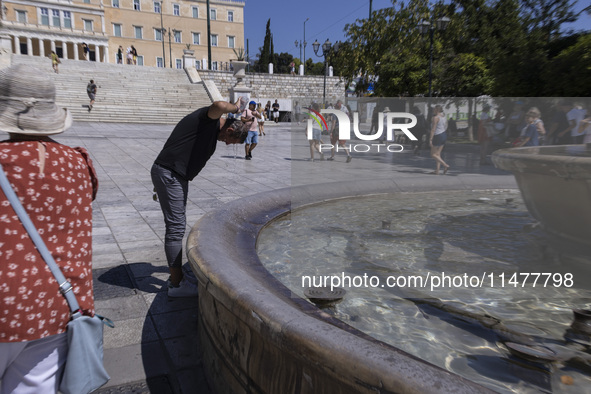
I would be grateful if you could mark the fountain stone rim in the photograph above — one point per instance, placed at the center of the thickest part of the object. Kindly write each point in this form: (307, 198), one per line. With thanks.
(316, 347)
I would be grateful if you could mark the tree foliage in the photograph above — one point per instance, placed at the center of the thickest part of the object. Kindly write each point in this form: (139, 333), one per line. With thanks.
(495, 47)
(265, 55)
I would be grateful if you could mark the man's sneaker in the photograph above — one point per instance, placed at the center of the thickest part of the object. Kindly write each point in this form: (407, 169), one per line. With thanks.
(247, 157)
(184, 289)
(349, 159)
(250, 154)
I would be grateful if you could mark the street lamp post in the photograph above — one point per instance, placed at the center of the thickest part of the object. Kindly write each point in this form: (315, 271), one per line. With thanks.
(304, 43)
(327, 48)
(299, 44)
(170, 46)
(162, 33)
(427, 28)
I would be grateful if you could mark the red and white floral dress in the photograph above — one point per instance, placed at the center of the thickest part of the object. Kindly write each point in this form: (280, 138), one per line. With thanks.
(56, 184)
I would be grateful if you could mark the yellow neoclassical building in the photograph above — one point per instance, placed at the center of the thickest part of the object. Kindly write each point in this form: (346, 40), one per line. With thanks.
(159, 30)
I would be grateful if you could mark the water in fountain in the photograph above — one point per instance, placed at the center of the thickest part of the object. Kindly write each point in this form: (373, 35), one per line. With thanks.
(485, 242)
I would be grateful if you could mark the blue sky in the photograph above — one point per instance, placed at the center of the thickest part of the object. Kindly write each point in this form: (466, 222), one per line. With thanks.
(327, 20)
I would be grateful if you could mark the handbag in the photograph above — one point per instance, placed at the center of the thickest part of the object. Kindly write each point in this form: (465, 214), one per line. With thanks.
(84, 370)
(517, 141)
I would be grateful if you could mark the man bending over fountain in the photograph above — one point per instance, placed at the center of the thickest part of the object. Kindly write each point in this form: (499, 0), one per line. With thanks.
(185, 153)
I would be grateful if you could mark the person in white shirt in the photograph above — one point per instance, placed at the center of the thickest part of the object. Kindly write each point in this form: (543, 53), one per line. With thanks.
(438, 138)
(574, 116)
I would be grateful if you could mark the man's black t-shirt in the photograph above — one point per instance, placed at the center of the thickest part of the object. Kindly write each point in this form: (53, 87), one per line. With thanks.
(190, 145)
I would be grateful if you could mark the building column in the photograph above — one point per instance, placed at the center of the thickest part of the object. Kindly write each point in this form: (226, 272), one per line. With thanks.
(105, 54)
(17, 45)
(29, 46)
(76, 51)
(64, 49)
(53, 45)
(41, 48)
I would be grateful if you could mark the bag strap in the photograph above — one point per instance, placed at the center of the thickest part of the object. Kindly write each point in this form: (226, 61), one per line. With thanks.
(65, 286)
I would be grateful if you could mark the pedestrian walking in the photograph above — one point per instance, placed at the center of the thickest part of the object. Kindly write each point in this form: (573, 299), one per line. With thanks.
(276, 111)
(190, 145)
(134, 54)
(129, 55)
(437, 139)
(530, 135)
(297, 112)
(91, 89)
(261, 120)
(120, 55)
(85, 51)
(55, 61)
(336, 143)
(485, 133)
(316, 141)
(251, 116)
(56, 185)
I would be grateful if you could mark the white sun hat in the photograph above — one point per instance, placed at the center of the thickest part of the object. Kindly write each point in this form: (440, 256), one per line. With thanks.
(27, 103)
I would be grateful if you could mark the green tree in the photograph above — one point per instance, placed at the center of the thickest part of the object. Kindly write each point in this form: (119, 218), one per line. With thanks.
(494, 47)
(569, 73)
(265, 55)
(282, 63)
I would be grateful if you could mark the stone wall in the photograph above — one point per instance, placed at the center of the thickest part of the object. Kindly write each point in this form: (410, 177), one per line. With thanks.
(278, 86)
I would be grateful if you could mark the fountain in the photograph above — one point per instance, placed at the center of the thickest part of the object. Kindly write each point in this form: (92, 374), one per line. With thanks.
(551, 177)
(250, 323)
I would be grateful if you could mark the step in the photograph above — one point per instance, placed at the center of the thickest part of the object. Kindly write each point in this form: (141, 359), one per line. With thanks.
(126, 93)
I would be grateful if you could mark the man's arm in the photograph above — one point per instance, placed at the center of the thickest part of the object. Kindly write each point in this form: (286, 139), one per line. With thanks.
(218, 108)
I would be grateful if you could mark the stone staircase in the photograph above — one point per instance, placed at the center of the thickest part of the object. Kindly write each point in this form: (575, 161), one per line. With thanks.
(126, 94)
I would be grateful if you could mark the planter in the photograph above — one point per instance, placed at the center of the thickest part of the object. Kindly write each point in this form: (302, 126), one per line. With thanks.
(239, 71)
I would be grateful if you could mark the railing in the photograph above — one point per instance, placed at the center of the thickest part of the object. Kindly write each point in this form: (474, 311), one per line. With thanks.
(230, 1)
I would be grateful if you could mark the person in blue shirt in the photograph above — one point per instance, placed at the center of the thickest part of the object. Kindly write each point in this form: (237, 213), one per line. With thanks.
(530, 135)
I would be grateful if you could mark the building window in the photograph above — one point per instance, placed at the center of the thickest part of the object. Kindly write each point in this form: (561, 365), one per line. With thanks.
(67, 19)
(176, 10)
(86, 1)
(55, 18)
(214, 66)
(87, 24)
(45, 16)
(21, 16)
(159, 62)
(117, 29)
(214, 40)
(138, 32)
(195, 11)
(230, 16)
(213, 15)
(115, 3)
(179, 63)
(231, 41)
(136, 5)
(157, 7)
(196, 38)
(158, 36)
(140, 60)
(177, 36)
